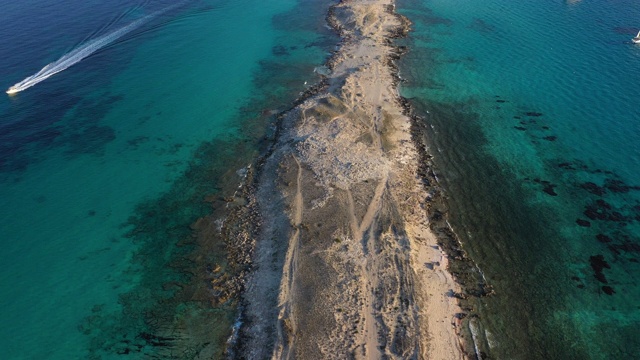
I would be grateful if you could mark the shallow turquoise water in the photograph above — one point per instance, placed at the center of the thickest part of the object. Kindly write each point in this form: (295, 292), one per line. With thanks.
(535, 130)
(104, 166)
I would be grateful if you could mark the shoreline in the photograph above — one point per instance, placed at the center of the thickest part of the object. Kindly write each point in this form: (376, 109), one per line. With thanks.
(346, 260)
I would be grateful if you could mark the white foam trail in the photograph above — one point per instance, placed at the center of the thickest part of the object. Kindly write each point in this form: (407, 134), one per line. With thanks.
(75, 56)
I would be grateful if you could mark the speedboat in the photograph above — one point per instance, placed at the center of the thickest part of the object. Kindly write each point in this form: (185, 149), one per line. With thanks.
(636, 39)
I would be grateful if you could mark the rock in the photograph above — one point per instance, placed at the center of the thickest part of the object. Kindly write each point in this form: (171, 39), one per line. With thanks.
(608, 290)
(566, 166)
(602, 210)
(549, 189)
(617, 186)
(583, 223)
(593, 188)
(598, 264)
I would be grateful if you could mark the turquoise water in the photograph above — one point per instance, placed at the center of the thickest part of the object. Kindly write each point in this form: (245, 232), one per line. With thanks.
(533, 122)
(104, 166)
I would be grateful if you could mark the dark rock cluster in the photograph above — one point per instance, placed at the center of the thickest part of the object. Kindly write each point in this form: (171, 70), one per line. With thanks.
(609, 210)
(598, 264)
(547, 186)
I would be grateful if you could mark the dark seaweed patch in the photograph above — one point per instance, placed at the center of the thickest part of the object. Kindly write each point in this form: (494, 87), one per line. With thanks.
(602, 210)
(608, 290)
(627, 246)
(613, 250)
(519, 128)
(598, 264)
(155, 340)
(593, 188)
(533, 114)
(91, 140)
(136, 141)
(548, 187)
(566, 166)
(45, 137)
(603, 238)
(618, 186)
(550, 138)
(549, 190)
(30, 133)
(279, 50)
(583, 223)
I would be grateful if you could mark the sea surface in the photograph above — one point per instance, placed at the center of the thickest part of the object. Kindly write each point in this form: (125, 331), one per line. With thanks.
(536, 136)
(106, 164)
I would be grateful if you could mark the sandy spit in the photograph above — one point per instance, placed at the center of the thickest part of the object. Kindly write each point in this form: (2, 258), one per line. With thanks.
(345, 265)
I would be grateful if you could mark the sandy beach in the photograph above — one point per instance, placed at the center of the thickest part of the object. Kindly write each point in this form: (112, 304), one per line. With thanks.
(345, 264)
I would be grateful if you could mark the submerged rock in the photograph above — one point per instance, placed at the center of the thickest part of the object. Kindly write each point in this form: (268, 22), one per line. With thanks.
(549, 189)
(618, 186)
(598, 264)
(602, 210)
(603, 238)
(608, 290)
(566, 166)
(583, 223)
(627, 246)
(593, 188)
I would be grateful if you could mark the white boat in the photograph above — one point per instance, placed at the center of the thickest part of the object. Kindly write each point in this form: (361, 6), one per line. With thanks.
(637, 38)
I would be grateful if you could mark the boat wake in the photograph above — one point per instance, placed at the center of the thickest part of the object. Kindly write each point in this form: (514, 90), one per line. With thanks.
(75, 56)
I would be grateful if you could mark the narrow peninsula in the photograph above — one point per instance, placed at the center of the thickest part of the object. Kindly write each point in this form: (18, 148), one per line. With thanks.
(345, 265)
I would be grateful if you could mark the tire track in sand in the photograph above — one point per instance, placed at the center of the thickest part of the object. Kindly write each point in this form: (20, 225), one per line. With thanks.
(286, 318)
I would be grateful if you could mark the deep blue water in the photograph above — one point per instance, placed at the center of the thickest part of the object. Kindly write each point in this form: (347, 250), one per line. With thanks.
(104, 166)
(535, 131)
